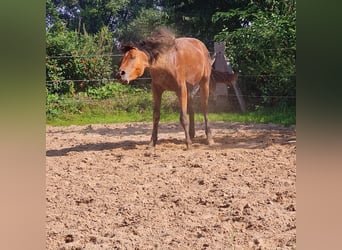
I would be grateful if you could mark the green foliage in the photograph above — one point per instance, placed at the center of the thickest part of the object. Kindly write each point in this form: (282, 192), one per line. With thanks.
(75, 56)
(52, 107)
(52, 19)
(112, 90)
(57, 106)
(142, 25)
(193, 18)
(132, 107)
(128, 104)
(112, 98)
(263, 50)
(89, 14)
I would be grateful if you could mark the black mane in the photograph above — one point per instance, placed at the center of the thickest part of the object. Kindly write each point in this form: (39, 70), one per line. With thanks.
(158, 43)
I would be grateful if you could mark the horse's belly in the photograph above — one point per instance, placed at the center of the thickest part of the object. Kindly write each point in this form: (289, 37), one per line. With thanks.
(193, 75)
(164, 80)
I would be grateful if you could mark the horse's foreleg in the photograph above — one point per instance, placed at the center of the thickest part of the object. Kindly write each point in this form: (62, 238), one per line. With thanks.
(191, 118)
(182, 96)
(204, 92)
(157, 95)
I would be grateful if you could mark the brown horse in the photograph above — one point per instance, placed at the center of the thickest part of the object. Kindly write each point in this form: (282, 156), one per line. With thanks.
(175, 64)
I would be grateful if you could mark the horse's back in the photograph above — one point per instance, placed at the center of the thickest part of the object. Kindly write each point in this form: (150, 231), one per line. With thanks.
(193, 58)
(193, 47)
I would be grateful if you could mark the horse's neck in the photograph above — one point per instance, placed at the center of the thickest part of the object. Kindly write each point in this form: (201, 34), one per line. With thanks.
(162, 63)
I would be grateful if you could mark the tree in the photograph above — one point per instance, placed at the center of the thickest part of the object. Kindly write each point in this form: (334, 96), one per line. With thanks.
(194, 17)
(263, 49)
(126, 19)
(145, 22)
(87, 14)
(52, 20)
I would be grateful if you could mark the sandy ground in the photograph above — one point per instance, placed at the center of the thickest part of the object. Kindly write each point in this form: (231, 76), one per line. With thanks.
(106, 190)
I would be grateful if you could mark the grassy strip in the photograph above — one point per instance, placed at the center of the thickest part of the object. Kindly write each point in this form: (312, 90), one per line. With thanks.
(277, 116)
(283, 116)
(115, 103)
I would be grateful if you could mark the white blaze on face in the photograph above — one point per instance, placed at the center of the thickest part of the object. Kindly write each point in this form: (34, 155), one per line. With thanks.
(132, 66)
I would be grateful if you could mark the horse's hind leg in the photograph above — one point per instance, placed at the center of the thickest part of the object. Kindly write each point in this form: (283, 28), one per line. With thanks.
(182, 96)
(191, 118)
(204, 92)
(157, 95)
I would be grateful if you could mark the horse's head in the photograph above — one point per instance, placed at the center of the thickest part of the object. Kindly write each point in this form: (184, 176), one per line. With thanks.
(133, 64)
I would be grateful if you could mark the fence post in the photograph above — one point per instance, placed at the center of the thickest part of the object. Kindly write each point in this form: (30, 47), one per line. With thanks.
(221, 64)
(221, 92)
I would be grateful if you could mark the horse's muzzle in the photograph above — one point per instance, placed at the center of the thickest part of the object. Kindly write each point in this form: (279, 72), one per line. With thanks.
(121, 78)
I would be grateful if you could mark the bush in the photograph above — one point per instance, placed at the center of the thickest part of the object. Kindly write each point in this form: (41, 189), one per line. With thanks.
(52, 106)
(111, 90)
(263, 50)
(57, 105)
(75, 56)
(110, 99)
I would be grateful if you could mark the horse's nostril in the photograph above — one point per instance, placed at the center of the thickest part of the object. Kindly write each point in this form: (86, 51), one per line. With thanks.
(122, 73)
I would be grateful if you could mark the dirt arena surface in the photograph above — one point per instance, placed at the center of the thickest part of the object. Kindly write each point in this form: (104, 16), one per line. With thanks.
(106, 190)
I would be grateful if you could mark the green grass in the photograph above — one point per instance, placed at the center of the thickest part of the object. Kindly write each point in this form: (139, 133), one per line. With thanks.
(116, 104)
(267, 115)
(284, 116)
(106, 118)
